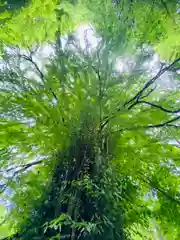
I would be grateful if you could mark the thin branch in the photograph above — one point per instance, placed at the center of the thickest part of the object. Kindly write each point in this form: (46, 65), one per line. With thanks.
(165, 124)
(5, 220)
(26, 166)
(140, 95)
(22, 167)
(106, 120)
(151, 81)
(35, 65)
(150, 91)
(178, 142)
(29, 58)
(155, 106)
(3, 188)
(167, 10)
(100, 94)
(148, 126)
(165, 6)
(162, 191)
(33, 51)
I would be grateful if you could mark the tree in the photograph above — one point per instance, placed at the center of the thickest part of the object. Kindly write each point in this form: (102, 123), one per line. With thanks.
(85, 150)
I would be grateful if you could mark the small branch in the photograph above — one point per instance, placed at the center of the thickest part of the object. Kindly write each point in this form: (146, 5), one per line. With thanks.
(167, 10)
(155, 106)
(140, 95)
(26, 166)
(29, 58)
(151, 81)
(22, 167)
(162, 191)
(33, 51)
(165, 124)
(3, 188)
(17, 171)
(35, 65)
(5, 220)
(148, 93)
(165, 6)
(100, 95)
(106, 120)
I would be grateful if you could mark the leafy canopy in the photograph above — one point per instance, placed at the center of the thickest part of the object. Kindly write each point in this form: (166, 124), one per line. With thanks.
(85, 149)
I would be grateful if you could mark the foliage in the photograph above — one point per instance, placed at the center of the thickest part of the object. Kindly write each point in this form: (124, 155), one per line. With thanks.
(152, 22)
(85, 150)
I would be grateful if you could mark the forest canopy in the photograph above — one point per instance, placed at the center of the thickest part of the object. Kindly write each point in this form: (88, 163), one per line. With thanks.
(89, 119)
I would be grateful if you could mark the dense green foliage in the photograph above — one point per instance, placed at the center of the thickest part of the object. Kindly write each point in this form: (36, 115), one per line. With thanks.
(88, 152)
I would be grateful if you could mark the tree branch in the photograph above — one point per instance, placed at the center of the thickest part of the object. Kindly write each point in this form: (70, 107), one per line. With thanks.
(155, 106)
(151, 81)
(164, 124)
(150, 91)
(3, 188)
(26, 166)
(140, 95)
(167, 10)
(29, 58)
(22, 167)
(162, 191)
(165, 6)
